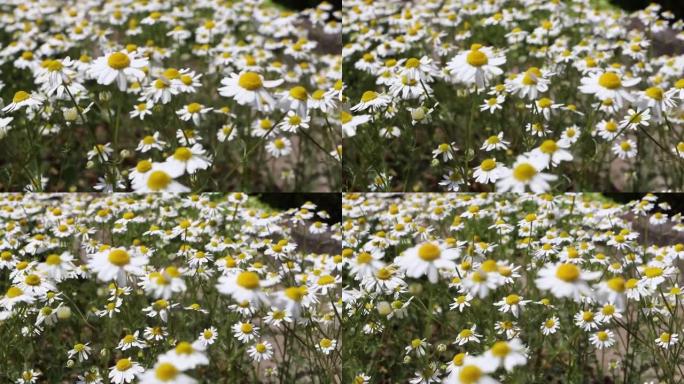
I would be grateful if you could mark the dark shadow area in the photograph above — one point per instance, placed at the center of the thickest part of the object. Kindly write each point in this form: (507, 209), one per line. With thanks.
(329, 202)
(303, 4)
(676, 200)
(674, 6)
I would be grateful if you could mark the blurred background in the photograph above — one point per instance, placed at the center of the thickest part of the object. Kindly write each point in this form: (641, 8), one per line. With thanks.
(329, 202)
(303, 4)
(674, 6)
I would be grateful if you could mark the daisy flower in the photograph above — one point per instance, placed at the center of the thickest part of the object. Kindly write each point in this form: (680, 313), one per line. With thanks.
(165, 372)
(625, 149)
(550, 326)
(118, 67)
(326, 346)
(667, 340)
(157, 177)
(124, 371)
(80, 350)
(477, 66)
(188, 160)
(194, 112)
(474, 370)
(249, 88)
(151, 142)
(23, 99)
(495, 143)
(508, 354)
(426, 259)
(278, 147)
(243, 286)
(525, 172)
(511, 303)
(372, 101)
(116, 264)
(603, 339)
(608, 85)
(185, 356)
(488, 171)
(565, 280)
(552, 152)
(260, 351)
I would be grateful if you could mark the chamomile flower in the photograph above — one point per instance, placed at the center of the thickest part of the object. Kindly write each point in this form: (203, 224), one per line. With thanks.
(250, 88)
(124, 371)
(120, 67)
(427, 259)
(477, 66)
(565, 280)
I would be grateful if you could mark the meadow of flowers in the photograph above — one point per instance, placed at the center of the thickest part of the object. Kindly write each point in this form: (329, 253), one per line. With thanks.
(511, 288)
(523, 95)
(167, 288)
(154, 96)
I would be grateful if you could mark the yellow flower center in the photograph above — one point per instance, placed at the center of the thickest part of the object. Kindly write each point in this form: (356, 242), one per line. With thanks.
(119, 60)
(652, 272)
(13, 292)
(364, 258)
(182, 154)
(143, 166)
(429, 251)
(500, 349)
(567, 272)
(602, 335)
(123, 365)
(368, 96)
(53, 259)
(548, 147)
(512, 299)
(295, 293)
(250, 81)
(610, 80)
(616, 284)
(194, 107)
(475, 57)
(524, 172)
(20, 96)
(299, 93)
(470, 374)
(248, 280)
(119, 257)
(166, 372)
(53, 65)
(655, 93)
(531, 76)
(184, 348)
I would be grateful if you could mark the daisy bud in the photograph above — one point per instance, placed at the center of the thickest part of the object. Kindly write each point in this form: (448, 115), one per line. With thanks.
(384, 308)
(125, 153)
(70, 114)
(441, 347)
(63, 313)
(434, 163)
(415, 288)
(69, 363)
(104, 96)
(104, 352)
(407, 359)
(418, 114)
(90, 164)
